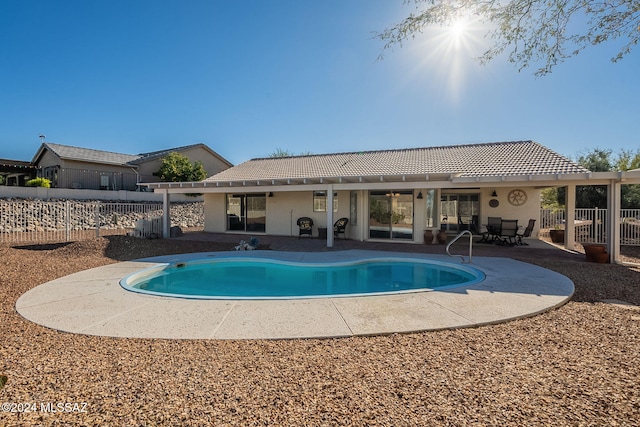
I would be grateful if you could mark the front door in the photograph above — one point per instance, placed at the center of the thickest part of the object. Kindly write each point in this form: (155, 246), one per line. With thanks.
(391, 215)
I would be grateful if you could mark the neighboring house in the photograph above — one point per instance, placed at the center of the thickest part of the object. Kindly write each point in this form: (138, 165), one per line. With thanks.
(150, 163)
(16, 172)
(390, 195)
(75, 167)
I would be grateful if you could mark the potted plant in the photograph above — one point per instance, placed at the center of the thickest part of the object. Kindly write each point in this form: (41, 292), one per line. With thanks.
(595, 252)
(428, 236)
(601, 257)
(557, 234)
(442, 237)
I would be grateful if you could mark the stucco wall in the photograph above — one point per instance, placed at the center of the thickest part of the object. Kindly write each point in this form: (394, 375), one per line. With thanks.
(212, 163)
(283, 211)
(49, 159)
(214, 213)
(529, 210)
(284, 208)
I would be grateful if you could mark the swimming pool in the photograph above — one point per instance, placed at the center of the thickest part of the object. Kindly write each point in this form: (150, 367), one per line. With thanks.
(258, 278)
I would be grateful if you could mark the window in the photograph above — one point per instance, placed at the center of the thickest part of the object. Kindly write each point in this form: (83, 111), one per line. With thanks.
(320, 201)
(353, 208)
(104, 182)
(430, 212)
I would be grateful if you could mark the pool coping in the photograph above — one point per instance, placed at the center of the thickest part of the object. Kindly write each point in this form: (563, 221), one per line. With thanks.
(92, 302)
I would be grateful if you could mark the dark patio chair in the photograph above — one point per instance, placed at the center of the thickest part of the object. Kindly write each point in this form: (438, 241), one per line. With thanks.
(526, 233)
(508, 232)
(494, 225)
(340, 226)
(461, 224)
(306, 226)
(473, 227)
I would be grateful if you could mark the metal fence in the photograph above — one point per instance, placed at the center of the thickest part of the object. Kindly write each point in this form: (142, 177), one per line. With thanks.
(550, 219)
(630, 227)
(46, 221)
(68, 220)
(591, 225)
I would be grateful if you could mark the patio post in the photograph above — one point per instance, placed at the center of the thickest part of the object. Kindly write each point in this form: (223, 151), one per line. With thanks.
(330, 216)
(166, 219)
(613, 220)
(570, 217)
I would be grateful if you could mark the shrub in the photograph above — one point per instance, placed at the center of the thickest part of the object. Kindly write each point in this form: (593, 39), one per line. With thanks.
(39, 182)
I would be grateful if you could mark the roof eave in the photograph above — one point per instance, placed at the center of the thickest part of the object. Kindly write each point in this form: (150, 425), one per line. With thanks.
(272, 182)
(591, 177)
(454, 178)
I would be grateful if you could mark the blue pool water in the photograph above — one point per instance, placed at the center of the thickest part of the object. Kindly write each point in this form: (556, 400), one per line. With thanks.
(251, 278)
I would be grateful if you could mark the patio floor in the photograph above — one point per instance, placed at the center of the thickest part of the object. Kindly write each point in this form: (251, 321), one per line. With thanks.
(92, 302)
(536, 248)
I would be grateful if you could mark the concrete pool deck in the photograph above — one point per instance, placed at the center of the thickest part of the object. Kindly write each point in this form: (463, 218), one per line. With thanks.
(92, 302)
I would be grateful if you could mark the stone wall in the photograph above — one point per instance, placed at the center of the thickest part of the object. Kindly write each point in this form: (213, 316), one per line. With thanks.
(18, 215)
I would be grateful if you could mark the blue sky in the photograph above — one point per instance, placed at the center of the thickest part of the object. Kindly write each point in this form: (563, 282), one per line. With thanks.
(249, 77)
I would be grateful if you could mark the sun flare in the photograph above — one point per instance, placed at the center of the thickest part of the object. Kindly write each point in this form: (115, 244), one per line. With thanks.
(448, 52)
(458, 29)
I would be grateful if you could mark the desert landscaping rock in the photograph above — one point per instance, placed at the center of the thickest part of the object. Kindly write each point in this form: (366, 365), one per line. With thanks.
(576, 365)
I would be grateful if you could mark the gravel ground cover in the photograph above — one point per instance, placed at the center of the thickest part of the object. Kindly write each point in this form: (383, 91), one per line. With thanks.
(576, 365)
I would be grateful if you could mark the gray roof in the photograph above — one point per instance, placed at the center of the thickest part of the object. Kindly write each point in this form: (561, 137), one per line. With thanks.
(162, 153)
(144, 157)
(68, 152)
(88, 154)
(475, 160)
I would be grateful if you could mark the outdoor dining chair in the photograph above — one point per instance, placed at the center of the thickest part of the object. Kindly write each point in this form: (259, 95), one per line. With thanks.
(508, 232)
(526, 233)
(493, 226)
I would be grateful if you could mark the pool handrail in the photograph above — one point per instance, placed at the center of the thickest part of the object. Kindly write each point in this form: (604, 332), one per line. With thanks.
(470, 245)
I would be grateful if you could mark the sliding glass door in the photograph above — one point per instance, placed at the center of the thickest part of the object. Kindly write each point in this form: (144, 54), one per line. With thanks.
(246, 212)
(391, 215)
(459, 212)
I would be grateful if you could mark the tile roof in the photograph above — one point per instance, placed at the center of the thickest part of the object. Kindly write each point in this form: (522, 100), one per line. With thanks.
(518, 158)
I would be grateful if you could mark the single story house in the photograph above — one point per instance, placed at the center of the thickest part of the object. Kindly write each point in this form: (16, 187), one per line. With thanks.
(394, 195)
(76, 167)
